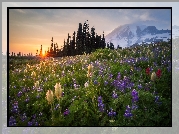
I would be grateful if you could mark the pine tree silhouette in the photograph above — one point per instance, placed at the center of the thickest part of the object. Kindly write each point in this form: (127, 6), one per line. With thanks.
(81, 42)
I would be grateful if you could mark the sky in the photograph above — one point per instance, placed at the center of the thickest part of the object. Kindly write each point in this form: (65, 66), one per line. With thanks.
(31, 28)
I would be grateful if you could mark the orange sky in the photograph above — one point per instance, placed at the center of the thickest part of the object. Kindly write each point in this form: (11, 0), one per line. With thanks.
(31, 28)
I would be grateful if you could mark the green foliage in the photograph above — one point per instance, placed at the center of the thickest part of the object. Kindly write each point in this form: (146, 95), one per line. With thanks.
(82, 100)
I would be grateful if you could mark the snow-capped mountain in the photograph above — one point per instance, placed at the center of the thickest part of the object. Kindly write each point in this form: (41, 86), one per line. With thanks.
(130, 34)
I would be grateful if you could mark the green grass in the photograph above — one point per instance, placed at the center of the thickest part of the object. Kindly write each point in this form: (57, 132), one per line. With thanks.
(82, 102)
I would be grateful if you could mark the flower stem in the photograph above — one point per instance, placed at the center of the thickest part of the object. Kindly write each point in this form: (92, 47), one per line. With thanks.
(60, 107)
(154, 85)
(52, 110)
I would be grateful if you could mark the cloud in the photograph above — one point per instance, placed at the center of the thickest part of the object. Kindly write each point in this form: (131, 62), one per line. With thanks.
(145, 17)
(29, 25)
(32, 17)
(20, 11)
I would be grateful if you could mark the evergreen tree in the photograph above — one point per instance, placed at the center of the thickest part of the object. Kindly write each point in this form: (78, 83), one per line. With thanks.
(111, 46)
(73, 45)
(108, 45)
(103, 42)
(92, 46)
(82, 41)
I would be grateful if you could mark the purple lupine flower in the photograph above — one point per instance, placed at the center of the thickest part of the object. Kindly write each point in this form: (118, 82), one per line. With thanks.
(128, 113)
(139, 86)
(19, 94)
(76, 86)
(12, 121)
(101, 107)
(130, 85)
(100, 104)
(27, 99)
(118, 76)
(156, 98)
(95, 82)
(66, 112)
(101, 71)
(114, 83)
(111, 112)
(99, 99)
(15, 107)
(39, 89)
(134, 94)
(120, 85)
(134, 106)
(23, 117)
(29, 123)
(114, 95)
(126, 80)
(34, 116)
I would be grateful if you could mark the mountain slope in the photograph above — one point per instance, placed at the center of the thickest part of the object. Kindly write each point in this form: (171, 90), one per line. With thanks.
(129, 34)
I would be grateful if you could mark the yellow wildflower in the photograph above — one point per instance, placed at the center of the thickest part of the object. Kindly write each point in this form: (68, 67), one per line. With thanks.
(36, 84)
(153, 76)
(49, 96)
(90, 67)
(33, 74)
(58, 91)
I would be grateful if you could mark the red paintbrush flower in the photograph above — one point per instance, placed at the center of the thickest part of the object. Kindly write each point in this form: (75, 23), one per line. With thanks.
(159, 73)
(147, 71)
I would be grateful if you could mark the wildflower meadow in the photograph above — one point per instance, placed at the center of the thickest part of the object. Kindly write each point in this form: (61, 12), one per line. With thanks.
(121, 87)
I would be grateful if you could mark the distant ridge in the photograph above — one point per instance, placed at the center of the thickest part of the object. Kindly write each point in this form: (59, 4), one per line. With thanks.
(137, 33)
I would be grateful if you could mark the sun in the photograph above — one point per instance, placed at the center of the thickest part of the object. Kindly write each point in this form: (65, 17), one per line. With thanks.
(43, 54)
